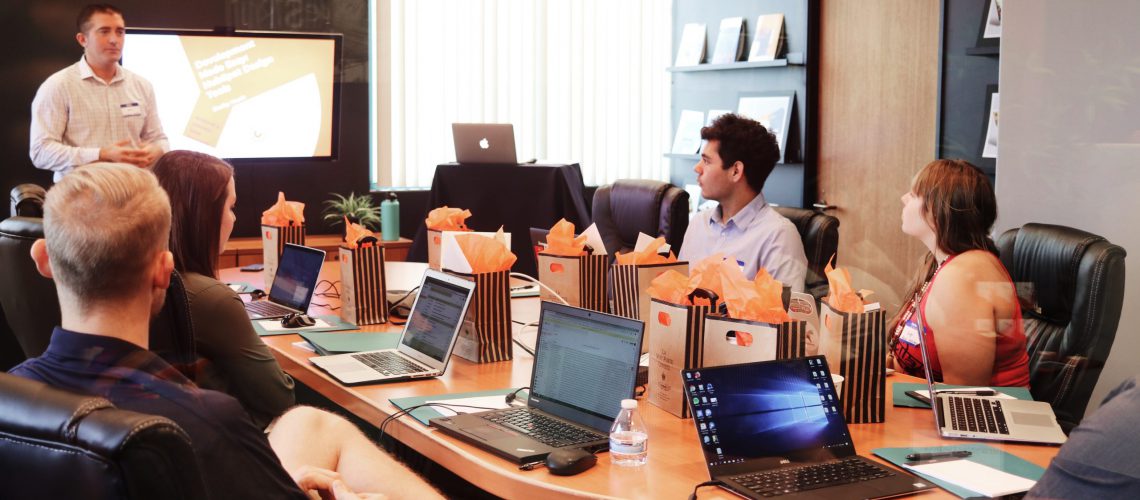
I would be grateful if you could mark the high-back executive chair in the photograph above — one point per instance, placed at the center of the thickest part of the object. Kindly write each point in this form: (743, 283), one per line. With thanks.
(1078, 281)
(820, 235)
(631, 206)
(57, 444)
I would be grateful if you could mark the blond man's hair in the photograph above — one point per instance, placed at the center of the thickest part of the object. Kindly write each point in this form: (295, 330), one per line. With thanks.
(103, 224)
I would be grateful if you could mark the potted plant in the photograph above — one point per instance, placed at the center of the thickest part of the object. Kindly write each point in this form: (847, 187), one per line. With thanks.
(358, 209)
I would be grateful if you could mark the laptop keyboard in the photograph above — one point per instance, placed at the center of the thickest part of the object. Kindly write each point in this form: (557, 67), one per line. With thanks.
(267, 308)
(388, 363)
(810, 477)
(548, 431)
(977, 415)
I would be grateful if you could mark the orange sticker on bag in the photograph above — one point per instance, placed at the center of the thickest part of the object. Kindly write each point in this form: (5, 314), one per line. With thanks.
(743, 339)
(663, 318)
(555, 267)
(436, 239)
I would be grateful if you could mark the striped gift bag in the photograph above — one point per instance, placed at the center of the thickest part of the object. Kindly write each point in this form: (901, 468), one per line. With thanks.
(363, 300)
(273, 240)
(630, 282)
(856, 348)
(579, 280)
(486, 333)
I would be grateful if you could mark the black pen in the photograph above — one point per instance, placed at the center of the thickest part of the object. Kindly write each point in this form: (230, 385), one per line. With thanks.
(918, 457)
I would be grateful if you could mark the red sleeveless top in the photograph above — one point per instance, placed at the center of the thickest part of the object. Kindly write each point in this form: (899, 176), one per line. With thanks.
(1011, 358)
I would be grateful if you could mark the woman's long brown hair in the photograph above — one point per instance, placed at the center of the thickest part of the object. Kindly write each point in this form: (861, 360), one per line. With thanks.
(196, 184)
(960, 201)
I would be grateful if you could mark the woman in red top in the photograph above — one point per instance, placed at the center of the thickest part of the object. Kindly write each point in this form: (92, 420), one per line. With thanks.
(973, 329)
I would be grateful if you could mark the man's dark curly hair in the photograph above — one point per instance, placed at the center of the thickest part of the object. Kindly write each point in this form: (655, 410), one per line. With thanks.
(745, 140)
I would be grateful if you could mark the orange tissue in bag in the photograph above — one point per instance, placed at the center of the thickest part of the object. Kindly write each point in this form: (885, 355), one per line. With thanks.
(562, 242)
(448, 219)
(354, 232)
(843, 296)
(671, 286)
(758, 300)
(712, 273)
(485, 255)
(284, 213)
(647, 255)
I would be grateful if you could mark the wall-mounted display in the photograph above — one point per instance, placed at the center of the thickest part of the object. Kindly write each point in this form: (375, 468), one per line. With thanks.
(990, 33)
(773, 110)
(990, 144)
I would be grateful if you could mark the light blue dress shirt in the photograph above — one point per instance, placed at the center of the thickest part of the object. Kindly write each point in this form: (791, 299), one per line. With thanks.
(756, 237)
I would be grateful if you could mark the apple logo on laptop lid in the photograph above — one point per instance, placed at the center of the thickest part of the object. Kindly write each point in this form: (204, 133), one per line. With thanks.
(483, 143)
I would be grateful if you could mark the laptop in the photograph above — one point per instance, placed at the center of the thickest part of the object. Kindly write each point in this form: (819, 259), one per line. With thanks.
(297, 272)
(485, 143)
(585, 363)
(776, 428)
(977, 417)
(425, 345)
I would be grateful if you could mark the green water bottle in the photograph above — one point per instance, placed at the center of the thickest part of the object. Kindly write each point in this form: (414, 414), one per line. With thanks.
(390, 218)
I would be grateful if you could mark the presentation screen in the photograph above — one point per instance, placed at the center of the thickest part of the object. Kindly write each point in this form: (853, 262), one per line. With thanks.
(242, 94)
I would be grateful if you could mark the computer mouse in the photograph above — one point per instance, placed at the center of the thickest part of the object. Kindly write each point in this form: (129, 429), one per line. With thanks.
(570, 461)
(297, 320)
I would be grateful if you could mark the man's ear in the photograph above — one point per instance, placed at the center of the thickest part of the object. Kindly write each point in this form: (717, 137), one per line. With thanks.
(163, 266)
(82, 39)
(737, 170)
(40, 257)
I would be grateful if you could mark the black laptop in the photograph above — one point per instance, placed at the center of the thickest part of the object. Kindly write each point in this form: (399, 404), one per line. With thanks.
(585, 363)
(293, 285)
(776, 429)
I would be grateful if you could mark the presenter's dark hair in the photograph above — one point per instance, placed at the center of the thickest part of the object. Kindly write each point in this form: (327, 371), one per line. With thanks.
(747, 141)
(196, 183)
(81, 21)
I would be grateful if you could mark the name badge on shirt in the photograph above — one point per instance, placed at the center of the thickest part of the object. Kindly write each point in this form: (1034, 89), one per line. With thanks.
(131, 109)
(909, 333)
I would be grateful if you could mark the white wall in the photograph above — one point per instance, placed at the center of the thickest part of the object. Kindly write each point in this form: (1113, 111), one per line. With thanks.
(1069, 149)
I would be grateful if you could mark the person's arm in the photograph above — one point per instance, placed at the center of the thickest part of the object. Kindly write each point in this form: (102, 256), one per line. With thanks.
(960, 309)
(226, 338)
(153, 140)
(783, 256)
(49, 120)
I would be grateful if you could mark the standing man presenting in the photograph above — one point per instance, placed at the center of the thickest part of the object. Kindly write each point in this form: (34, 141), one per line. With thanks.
(734, 166)
(94, 110)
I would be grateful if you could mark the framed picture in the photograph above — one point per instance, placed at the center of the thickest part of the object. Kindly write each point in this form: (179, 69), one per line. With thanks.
(773, 110)
(990, 140)
(990, 32)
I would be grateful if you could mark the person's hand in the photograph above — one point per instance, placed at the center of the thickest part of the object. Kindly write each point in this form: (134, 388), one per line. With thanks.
(122, 152)
(341, 492)
(152, 153)
(328, 484)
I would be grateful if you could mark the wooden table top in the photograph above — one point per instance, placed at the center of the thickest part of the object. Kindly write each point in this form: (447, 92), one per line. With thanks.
(676, 463)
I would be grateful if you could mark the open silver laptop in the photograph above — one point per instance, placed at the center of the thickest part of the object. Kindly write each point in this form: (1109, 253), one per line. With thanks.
(976, 417)
(293, 285)
(485, 143)
(426, 344)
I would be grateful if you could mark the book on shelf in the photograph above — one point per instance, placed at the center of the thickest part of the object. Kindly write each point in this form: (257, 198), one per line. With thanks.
(687, 140)
(769, 39)
(691, 51)
(712, 116)
(730, 41)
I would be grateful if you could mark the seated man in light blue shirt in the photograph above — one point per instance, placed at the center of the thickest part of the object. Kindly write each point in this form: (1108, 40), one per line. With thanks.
(734, 165)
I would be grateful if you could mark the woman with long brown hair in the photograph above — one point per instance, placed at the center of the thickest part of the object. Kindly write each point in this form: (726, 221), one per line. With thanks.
(234, 359)
(973, 329)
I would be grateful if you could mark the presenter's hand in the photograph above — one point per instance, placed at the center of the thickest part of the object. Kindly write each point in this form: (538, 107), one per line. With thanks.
(122, 152)
(152, 153)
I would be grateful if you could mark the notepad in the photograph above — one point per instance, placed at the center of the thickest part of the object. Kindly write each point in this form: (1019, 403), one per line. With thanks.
(985, 455)
(327, 344)
(470, 405)
(973, 476)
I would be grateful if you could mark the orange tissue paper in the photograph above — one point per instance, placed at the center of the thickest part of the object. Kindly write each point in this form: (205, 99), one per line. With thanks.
(673, 287)
(756, 300)
(561, 241)
(647, 255)
(485, 255)
(843, 296)
(448, 219)
(284, 213)
(354, 232)
(713, 272)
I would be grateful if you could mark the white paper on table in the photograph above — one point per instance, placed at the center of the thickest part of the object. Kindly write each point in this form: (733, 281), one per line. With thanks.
(965, 392)
(451, 256)
(594, 239)
(643, 240)
(975, 477)
(235, 287)
(480, 403)
(304, 344)
(274, 325)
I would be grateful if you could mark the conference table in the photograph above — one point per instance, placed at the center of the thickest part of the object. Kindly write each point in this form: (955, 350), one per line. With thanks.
(676, 463)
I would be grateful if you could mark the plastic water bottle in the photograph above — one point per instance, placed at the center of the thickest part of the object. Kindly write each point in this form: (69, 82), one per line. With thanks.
(390, 218)
(629, 441)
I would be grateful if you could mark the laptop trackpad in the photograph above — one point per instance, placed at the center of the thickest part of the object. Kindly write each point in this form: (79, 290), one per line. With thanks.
(1035, 419)
(490, 432)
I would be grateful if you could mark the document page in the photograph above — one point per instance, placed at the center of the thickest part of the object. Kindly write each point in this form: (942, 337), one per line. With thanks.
(976, 477)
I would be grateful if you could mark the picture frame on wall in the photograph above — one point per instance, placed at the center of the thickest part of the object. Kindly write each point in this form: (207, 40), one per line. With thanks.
(989, 147)
(773, 110)
(989, 34)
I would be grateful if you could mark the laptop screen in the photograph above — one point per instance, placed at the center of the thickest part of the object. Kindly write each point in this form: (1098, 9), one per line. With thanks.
(767, 414)
(297, 273)
(585, 363)
(435, 317)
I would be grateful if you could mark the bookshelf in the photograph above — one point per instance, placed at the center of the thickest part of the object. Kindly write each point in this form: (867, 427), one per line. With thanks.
(718, 86)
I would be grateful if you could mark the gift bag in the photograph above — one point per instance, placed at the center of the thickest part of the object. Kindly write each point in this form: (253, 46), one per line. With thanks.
(855, 345)
(580, 280)
(676, 342)
(362, 295)
(486, 333)
(630, 283)
(273, 240)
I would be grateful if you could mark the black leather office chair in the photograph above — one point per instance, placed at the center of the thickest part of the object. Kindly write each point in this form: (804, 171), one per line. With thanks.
(27, 200)
(56, 444)
(820, 235)
(30, 305)
(1078, 281)
(631, 206)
